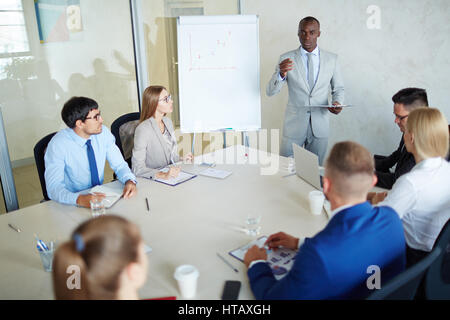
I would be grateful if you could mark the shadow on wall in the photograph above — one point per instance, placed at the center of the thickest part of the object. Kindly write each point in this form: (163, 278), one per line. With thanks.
(32, 100)
(30, 97)
(114, 92)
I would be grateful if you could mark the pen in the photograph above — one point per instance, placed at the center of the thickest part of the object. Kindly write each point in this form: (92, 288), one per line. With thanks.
(146, 201)
(228, 264)
(13, 227)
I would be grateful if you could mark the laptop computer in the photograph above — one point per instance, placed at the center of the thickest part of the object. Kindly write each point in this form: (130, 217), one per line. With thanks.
(307, 166)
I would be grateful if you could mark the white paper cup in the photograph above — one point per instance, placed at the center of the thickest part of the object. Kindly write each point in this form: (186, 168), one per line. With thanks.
(186, 276)
(316, 199)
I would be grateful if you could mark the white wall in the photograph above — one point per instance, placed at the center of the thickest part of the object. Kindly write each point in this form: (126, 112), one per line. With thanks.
(410, 49)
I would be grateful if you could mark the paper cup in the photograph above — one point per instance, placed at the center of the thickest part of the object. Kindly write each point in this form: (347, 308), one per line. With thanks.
(316, 199)
(186, 276)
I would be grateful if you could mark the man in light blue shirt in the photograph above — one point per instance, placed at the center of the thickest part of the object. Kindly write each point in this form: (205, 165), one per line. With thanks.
(75, 157)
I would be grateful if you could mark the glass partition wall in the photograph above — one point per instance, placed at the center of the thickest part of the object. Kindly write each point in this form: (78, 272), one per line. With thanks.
(51, 50)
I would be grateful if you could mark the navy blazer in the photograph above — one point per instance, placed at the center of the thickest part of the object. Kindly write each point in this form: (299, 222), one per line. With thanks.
(334, 263)
(403, 160)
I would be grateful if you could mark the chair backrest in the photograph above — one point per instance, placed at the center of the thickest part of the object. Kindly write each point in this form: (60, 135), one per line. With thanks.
(116, 131)
(39, 152)
(437, 279)
(404, 286)
(448, 155)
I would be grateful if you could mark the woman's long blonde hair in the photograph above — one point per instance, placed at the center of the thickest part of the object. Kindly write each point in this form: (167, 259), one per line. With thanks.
(150, 100)
(101, 248)
(430, 130)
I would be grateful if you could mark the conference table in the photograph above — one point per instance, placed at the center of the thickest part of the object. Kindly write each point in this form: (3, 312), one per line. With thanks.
(187, 224)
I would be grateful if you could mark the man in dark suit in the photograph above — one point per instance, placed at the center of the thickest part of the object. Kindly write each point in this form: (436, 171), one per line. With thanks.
(337, 263)
(405, 101)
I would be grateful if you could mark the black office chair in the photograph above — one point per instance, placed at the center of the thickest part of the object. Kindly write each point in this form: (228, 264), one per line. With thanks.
(437, 278)
(404, 285)
(116, 131)
(39, 152)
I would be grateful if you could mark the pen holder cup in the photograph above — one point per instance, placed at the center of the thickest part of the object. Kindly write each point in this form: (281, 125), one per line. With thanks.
(47, 257)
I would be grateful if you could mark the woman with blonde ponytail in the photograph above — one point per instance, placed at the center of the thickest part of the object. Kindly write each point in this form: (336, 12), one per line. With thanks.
(107, 253)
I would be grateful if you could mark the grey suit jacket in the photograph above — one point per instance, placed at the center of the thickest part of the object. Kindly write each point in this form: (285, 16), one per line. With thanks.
(296, 116)
(150, 150)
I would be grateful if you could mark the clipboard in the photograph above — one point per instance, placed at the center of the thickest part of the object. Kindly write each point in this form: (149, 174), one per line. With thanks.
(182, 177)
(329, 106)
(279, 261)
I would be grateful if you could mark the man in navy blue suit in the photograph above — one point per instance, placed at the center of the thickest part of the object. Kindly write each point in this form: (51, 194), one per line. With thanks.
(338, 262)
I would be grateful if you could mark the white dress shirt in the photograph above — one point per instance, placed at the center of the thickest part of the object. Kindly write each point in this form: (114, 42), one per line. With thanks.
(422, 200)
(315, 59)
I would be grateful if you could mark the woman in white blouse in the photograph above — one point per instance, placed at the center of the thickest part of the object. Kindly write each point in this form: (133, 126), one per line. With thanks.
(155, 144)
(422, 196)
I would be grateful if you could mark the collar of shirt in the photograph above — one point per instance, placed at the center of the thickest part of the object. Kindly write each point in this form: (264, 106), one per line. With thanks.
(304, 53)
(429, 163)
(337, 210)
(75, 137)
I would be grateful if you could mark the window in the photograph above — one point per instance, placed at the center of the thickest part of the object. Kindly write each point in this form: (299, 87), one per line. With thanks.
(13, 33)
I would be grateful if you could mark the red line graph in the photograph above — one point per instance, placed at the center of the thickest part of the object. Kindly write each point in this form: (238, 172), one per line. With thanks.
(210, 59)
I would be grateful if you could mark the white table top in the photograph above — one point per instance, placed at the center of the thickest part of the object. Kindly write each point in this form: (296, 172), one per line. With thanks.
(187, 224)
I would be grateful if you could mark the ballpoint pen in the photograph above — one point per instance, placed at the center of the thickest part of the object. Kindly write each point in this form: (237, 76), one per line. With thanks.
(146, 201)
(227, 263)
(13, 227)
(41, 244)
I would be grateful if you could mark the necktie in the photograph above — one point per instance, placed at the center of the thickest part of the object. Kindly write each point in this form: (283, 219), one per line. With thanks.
(310, 72)
(92, 164)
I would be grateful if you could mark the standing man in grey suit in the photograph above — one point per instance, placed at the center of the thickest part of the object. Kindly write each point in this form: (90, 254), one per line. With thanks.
(309, 73)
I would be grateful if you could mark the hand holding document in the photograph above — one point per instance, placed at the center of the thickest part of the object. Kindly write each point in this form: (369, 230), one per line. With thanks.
(173, 181)
(112, 191)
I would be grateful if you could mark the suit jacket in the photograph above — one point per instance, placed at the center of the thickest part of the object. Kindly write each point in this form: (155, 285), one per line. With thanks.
(405, 162)
(334, 263)
(296, 119)
(150, 150)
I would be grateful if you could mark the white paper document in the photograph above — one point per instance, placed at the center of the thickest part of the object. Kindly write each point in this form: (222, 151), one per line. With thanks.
(113, 192)
(329, 106)
(280, 261)
(182, 177)
(215, 173)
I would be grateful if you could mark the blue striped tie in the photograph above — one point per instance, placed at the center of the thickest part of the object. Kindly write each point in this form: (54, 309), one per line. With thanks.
(92, 164)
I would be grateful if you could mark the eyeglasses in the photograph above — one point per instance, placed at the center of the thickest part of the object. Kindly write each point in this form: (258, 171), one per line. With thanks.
(400, 118)
(96, 117)
(166, 99)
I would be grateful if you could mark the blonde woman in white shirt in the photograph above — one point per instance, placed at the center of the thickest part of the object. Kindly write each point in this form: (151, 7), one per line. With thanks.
(422, 196)
(155, 144)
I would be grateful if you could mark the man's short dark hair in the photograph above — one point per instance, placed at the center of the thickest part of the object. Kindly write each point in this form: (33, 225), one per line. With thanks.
(77, 108)
(308, 19)
(411, 98)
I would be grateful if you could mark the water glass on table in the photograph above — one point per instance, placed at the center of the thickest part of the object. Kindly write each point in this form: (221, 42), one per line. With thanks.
(97, 207)
(252, 224)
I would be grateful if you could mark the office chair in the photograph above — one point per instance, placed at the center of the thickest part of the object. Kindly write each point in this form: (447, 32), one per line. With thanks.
(126, 132)
(404, 285)
(448, 155)
(437, 278)
(39, 152)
